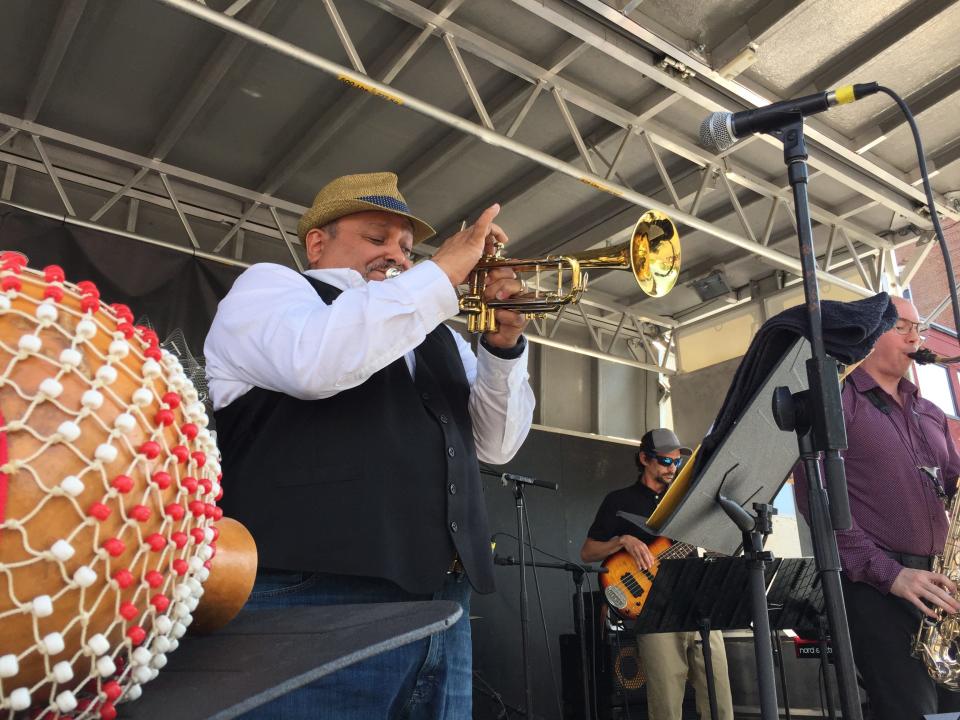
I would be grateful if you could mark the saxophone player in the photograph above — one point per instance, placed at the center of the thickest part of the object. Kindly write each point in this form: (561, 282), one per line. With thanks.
(901, 467)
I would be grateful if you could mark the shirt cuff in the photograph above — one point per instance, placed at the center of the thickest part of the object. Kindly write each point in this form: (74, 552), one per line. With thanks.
(884, 572)
(436, 298)
(511, 353)
(878, 570)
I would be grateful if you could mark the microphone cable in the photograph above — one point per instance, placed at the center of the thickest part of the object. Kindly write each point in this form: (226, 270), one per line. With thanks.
(592, 648)
(543, 616)
(945, 251)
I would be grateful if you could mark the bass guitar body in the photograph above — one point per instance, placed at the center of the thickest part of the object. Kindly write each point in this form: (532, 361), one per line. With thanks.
(625, 586)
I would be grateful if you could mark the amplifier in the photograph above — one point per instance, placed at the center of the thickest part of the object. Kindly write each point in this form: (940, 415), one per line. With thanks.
(620, 680)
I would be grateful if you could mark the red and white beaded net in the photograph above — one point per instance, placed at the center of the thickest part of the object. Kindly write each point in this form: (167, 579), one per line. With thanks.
(108, 486)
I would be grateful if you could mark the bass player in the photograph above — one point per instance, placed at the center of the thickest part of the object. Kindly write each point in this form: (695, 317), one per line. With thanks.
(668, 658)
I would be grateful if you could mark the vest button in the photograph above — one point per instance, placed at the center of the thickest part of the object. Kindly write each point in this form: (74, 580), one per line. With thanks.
(444, 419)
(425, 396)
(453, 488)
(454, 527)
(451, 452)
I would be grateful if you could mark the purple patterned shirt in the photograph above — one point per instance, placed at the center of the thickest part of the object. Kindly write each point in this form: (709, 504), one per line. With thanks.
(894, 504)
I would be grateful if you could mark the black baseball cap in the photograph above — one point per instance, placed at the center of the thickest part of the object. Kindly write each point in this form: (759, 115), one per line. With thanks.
(662, 440)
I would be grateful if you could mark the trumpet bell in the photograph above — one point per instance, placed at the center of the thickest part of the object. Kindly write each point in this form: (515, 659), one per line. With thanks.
(652, 254)
(655, 253)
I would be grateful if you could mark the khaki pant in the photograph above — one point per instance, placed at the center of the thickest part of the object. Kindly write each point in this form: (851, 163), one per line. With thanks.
(668, 659)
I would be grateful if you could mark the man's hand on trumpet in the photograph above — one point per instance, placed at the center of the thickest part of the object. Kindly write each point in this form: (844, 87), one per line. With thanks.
(459, 255)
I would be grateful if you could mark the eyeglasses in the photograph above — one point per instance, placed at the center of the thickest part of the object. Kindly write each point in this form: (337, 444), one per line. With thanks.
(668, 461)
(904, 327)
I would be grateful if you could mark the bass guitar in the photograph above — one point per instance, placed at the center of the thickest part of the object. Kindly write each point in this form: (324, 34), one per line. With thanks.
(625, 586)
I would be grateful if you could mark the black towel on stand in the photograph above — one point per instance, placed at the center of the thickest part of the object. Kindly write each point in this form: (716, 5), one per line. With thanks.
(849, 331)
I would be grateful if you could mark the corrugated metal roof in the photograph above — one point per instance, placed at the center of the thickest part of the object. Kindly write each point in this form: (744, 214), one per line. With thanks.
(239, 104)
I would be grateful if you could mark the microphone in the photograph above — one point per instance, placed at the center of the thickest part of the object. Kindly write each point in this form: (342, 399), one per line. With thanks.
(720, 130)
(506, 478)
(523, 479)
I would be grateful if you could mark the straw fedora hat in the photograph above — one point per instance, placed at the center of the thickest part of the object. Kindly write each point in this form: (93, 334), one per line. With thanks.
(359, 193)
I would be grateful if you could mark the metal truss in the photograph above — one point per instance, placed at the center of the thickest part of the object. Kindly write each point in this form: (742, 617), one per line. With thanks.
(611, 325)
(768, 17)
(222, 202)
(564, 90)
(654, 137)
(635, 329)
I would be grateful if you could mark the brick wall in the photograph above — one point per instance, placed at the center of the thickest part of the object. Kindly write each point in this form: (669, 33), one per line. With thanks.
(929, 286)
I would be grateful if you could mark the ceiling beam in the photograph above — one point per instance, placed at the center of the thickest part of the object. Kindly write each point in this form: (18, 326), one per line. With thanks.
(919, 101)
(864, 172)
(56, 47)
(206, 82)
(388, 64)
(528, 182)
(944, 155)
(892, 30)
(491, 137)
(744, 295)
(440, 152)
(659, 135)
(764, 22)
(454, 143)
(91, 147)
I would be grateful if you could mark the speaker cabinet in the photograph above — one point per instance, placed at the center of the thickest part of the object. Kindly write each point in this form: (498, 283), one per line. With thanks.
(621, 683)
(620, 680)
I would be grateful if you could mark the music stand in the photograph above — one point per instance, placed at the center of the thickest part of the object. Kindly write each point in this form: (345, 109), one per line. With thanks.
(704, 594)
(689, 511)
(700, 595)
(263, 654)
(796, 602)
(795, 598)
(699, 509)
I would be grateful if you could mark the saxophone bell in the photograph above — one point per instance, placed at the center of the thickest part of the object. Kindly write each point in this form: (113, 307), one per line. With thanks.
(937, 642)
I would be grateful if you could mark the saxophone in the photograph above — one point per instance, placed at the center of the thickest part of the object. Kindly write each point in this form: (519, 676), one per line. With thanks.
(937, 643)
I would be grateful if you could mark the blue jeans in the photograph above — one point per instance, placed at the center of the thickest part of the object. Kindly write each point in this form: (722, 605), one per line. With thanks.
(430, 679)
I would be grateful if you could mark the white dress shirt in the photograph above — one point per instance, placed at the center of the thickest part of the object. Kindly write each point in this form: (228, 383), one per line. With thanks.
(273, 331)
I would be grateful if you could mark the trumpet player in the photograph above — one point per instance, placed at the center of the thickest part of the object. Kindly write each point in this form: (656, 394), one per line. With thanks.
(351, 419)
(901, 466)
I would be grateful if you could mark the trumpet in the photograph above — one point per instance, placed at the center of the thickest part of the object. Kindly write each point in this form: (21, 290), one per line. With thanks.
(652, 254)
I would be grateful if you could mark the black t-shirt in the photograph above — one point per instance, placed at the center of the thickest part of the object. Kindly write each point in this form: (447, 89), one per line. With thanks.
(637, 499)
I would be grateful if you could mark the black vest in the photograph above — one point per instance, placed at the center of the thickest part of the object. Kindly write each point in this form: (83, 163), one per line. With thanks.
(380, 480)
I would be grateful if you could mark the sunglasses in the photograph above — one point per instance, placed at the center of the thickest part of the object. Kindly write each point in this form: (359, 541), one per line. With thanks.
(666, 461)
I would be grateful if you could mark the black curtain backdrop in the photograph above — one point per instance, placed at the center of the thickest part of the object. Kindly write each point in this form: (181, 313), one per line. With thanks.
(177, 290)
(173, 289)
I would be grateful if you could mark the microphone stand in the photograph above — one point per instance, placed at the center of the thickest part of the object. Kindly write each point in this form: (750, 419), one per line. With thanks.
(578, 572)
(755, 530)
(816, 415)
(518, 482)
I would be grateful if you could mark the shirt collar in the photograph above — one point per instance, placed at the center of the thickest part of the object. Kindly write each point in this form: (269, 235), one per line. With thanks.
(340, 278)
(644, 489)
(864, 381)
